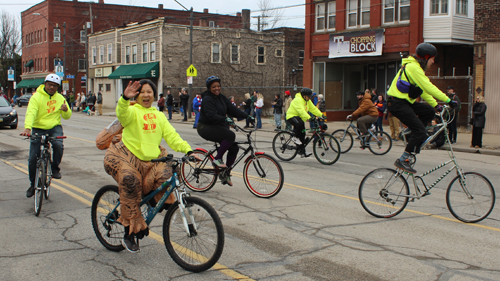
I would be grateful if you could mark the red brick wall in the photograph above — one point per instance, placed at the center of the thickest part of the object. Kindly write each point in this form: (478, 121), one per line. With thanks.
(487, 23)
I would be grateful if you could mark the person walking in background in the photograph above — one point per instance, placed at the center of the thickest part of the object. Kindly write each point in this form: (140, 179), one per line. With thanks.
(78, 101)
(72, 100)
(278, 110)
(288, 101)
(170, 104)
(247, 104)
(161, 103)
(231, 99)
(478, 121)
(196, 109)
(259, 104)
(381, 107)
(314, 99)
(452, 126)
(83, 101)
(373, 93)
(394, 125)
(184, 103)
(99, 103)
(254, 99)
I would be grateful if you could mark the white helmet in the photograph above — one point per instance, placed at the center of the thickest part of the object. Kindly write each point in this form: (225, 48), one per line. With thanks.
(320, 96)
(53, 78)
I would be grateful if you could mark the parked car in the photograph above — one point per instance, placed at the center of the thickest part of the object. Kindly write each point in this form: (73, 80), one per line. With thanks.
(8, 116)
(23, 100)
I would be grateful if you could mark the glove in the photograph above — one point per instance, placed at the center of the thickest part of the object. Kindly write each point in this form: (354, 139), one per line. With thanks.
(453, 104)
(349, 117)
(312, 119)
(251, 119)
(439, 108)
(229, 121)
(323, 116)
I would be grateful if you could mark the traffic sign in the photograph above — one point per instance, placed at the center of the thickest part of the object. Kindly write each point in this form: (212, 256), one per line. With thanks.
(70, 76)
(191, 71)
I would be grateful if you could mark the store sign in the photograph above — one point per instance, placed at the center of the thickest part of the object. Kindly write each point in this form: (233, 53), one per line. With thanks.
(356, 44)
(10, 74)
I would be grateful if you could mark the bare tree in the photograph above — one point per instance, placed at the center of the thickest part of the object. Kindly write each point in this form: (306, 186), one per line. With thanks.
(10, 35)
(270, 16)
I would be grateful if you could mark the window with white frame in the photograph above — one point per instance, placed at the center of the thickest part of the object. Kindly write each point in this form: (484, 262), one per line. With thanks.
(82, 36)
(396, 11)
(94, 55)
(320, 16)
(279, 53)
(462, 8)
(110, 52)
(235, 53)
(211, 23)
(358, 13)
(145, 52)
(127, 54)
(261, 54)
(152, 51)
(439, 7)
(57, 34)
(134, 53)
(332, 14)
(301, 57)
(101, 54)
(215, 52)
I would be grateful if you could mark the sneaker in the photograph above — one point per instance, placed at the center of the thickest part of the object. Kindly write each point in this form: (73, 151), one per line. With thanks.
(130, 244)
(226, 180)
(405, 166)
(277, 130)
(56, 175)
(305, 155)
(30, 192)
(219, 164)
(296, 141)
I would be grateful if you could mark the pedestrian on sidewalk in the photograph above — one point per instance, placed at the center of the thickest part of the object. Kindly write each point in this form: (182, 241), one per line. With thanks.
(184, 102)
(99, 103)
(288, 101)
(478, 121)
(259, 104)
(196, 109)
(278, 110)
(394, 125)
(247, 104)
(161, 103)
(170, 104)
(452, 126)
(381, 107)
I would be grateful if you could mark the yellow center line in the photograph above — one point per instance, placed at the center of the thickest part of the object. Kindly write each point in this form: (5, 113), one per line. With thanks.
(80, 139)
(221, 268)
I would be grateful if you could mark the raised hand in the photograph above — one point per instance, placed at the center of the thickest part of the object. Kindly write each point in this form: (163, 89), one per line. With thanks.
(132, 89)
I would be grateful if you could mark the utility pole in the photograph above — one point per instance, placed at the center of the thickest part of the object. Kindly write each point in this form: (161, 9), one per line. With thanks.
(86, 59)
(64, 46)
(190, 56)
(15, 72)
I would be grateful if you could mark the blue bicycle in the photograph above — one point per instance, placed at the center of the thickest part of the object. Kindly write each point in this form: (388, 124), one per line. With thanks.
(192, 230)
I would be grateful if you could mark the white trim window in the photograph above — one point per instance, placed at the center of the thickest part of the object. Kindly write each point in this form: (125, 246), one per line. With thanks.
(462, 8)
(332, 15)
(82, 36)
(261, 55)
(94, 55)
(101, 54)
(235, 53)
(279, 53)
(216, 53)
(301, 57)
(57, 35)
(134, 53)
(127, 54)
(439, 7)
(396, 11)
(358, 13)
(110, 53)
(145, 52)
(152, 51)
(320, 17)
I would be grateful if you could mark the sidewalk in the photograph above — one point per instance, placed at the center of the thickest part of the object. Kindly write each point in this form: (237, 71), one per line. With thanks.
(491, 142)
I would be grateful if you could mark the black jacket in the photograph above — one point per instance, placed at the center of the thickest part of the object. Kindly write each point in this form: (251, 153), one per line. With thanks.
(91, 100)
(215, 108)
(170, 100)
(184, 99)
(439, 140)
(278, 107)
(479, 110)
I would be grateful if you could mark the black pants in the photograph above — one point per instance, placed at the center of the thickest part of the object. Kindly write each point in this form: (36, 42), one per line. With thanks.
(298, 128)
(185, 109)
(416, 116)
(477, 136)
(452, 129)
(218, 133)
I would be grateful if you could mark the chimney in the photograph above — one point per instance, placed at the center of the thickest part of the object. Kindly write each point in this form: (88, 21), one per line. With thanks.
(101, 1)
(205, 11)
(238, 14)
(75, 0)
(245, 18)
(160, 6)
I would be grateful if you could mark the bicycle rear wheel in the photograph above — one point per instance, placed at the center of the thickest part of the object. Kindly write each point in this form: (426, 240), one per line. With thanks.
(381, 145)
(283, 146)
(383, 193)
(39, 186)
(106, 227)
(326, 149)
(195, 177)
(263, 175)
(471, 200)
(200, 246)
(345, 140)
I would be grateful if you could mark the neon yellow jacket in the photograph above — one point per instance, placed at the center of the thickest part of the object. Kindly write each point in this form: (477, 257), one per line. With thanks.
(417, 76)
(143, 129)
(299, 107)
(44, 111)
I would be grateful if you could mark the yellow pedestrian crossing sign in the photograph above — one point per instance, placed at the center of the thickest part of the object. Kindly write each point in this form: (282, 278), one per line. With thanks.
(191, 71)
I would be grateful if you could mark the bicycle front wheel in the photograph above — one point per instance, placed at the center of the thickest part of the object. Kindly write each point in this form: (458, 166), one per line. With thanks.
(104, 215)
(283, 146)
(194, 174)
(48, 177)
(263, 175)
(345, 140)
(472, 199)
(200, 246)
(381, 144)
(40, 186)
(383, 193)
(326, 149)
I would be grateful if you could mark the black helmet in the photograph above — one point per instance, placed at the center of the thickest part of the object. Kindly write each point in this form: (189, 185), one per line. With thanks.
(306, 92)
(426, 51)
(360, 93)
(212, 79)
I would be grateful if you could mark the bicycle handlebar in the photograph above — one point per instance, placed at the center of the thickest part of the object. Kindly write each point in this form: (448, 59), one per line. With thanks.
(170, 158)
(37, 136)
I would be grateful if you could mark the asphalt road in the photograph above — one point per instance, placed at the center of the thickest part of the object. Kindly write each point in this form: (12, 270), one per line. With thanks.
(315, 229)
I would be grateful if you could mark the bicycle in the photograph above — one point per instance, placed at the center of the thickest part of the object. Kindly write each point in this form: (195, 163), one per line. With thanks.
(326, 148)
(192, 230)
(470, 196)
(379, 142)
(262, 174)
(43, 176)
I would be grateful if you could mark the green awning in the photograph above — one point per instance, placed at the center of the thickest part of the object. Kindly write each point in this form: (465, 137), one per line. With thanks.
(30, 83)
(136, 71)
(29, 64)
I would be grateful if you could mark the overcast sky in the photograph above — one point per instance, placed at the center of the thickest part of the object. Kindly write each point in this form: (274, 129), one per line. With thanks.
(293, 16)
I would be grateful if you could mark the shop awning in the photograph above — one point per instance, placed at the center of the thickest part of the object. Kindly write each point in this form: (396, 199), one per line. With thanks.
(136, 71)
(30, 83)
(29, 64)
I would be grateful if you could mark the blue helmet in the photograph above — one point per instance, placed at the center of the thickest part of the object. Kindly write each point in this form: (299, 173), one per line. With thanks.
(212, 79)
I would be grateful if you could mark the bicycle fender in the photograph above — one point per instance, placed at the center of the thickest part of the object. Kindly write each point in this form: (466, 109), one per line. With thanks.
(256, 153)
(204, 151)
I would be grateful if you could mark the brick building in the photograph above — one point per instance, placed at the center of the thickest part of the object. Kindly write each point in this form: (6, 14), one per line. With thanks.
(245, 60)
(487, 60)
(47, 25)
(352, 45)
